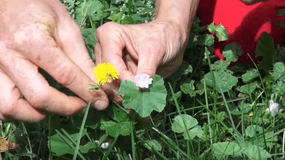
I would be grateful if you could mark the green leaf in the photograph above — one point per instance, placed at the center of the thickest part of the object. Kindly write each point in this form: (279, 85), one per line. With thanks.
(153, 98)
(192, 133)
(116, 17)
(249, 75)
(89, 35)
(279, 88)
(278, 71)
(182, 123)
(128, 20)
(88, 9)
(220, 65)
(59, 146)
(219, 31)
(281, 13)
(119, 115)
(153, 145)
(248, 88)
(115, 129)
(223, 149)
(222, 81)
(242, 109)
(253, 152)
(253, 130)
(232, 51)
(188, 88)
(175, 96)
(221, 116)
(266, 49)
(88, 147)
(209, 40)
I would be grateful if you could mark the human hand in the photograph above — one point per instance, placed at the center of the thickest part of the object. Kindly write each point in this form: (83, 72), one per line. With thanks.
(153, 48)
(40, 34)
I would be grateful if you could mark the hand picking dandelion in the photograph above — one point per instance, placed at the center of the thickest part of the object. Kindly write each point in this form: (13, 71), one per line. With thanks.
(143, 81)
(104, 71)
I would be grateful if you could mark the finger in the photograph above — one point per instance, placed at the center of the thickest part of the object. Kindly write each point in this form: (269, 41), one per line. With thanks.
(112, 46)
(71, 40)
(45, 53)
(36, 89)
(12, 106)
(149, 57)
(112, 88)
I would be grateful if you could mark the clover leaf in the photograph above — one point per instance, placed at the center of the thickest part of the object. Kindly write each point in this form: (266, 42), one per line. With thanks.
(144, 102)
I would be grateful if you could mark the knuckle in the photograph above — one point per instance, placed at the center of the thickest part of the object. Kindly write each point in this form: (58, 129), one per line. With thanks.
(8, 109)
(105, 29)
(38, 99)
(65, 75)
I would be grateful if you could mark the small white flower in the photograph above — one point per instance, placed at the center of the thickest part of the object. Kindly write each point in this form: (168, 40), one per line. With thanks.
(143, 81)
(273, 108)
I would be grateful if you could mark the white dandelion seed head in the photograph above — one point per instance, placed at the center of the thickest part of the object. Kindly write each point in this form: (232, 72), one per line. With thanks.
(273, 108)
(143, 81)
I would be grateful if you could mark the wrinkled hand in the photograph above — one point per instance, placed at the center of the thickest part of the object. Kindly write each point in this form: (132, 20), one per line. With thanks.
(152, 48)
(40, 34)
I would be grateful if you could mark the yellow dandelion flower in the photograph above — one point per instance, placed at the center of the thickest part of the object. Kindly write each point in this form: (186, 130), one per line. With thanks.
(250, 114)
(104, 71)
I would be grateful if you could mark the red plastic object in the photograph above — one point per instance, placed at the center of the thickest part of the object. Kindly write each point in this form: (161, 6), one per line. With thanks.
(244, 23)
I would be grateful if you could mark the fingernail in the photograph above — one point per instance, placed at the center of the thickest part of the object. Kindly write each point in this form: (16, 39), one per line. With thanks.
(100, 105)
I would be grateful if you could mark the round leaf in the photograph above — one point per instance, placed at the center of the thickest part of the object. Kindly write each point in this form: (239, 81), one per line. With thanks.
(153, 98)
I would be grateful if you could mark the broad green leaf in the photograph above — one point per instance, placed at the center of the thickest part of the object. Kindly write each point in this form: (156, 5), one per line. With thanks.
(232, 51)
(88, 147)
(253, 130)
(175, 96)
(208, 40)
(279, 88)
(219, 31)
(222, 81)
(281, 13)
(221, 116)
(60, 147)
(153, 145)
(89, 35)
(119, 115)
(243, 108)
(116, 17)
(128, 20)
(188, 88)
(278, 71)
(249, 75)
(223, 149)
(115, 129)
(220, 65)
(266, 49)
(153, 98)
(182, 123)
(248, 88)
(253, 152)
(194, 132)
(87, 10)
